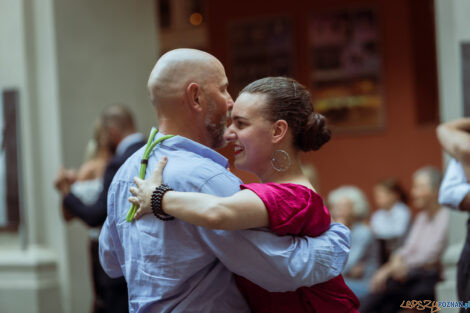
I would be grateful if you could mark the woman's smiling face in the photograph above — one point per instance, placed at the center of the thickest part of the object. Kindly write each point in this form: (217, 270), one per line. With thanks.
(250, 133)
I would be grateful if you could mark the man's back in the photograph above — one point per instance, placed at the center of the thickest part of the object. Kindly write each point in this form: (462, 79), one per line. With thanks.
(174, 266)
(168, 259)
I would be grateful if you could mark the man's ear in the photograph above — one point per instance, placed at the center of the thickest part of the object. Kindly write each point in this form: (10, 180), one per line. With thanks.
(279, 130)
(193, 96)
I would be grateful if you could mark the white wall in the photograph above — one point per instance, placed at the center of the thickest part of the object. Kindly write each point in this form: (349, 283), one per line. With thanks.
(106, 50)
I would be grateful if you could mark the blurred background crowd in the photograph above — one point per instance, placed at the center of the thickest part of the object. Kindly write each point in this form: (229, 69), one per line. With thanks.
(384, 73)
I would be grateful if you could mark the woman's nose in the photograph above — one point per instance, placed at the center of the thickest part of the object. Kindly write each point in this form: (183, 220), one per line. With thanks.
(229, 134)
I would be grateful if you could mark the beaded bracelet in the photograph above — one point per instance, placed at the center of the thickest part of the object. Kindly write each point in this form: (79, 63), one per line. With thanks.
(156, 202)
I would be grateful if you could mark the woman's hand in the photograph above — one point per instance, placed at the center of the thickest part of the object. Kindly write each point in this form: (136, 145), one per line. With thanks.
(143, 192)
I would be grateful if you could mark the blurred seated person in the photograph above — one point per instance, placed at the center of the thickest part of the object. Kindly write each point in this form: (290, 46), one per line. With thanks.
(414, 270)
(390, 222)
(349, 206)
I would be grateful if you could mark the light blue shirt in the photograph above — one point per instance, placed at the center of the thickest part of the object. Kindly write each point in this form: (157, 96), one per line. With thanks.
(391, 224)
(454, 186)
(178, 267)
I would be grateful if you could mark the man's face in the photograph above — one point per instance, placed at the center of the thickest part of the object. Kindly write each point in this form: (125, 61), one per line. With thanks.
(422, 192)
(219, 102)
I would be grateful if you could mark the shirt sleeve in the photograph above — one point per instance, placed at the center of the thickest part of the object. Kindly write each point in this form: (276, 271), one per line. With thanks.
(107, 252)
(292, 209)
(454, 186)
(278, 263)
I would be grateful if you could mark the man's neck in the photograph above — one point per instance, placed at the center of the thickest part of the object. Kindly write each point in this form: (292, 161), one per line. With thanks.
(192, 133)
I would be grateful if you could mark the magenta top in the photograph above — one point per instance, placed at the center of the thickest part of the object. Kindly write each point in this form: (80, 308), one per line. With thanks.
(293, 209)
(297, 210)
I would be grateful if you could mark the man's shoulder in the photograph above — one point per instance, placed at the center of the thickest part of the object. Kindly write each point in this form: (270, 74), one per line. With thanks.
(185, 170)
(189, 171)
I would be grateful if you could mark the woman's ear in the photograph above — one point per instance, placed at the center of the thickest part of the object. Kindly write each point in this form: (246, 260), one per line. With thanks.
(193, 96)
(279, 130)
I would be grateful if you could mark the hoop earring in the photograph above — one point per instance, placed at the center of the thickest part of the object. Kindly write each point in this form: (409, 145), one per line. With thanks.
(280, 160)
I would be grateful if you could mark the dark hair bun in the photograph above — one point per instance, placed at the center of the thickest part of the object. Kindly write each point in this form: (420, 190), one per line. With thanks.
(315, 134)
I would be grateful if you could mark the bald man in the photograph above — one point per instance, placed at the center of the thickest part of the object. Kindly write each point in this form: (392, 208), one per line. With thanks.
(110, 294)
(172, 266)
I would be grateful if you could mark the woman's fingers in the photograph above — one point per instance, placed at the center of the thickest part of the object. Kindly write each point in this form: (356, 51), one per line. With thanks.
(138, 214)
(156, 176)
(138, 182)
(141, 211)
(134, 191)
(134, 200)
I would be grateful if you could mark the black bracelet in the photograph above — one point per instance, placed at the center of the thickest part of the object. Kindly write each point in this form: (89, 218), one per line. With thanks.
(156, 202)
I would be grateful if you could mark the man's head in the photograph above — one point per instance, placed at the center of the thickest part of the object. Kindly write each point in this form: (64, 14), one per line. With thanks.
(425, 190)
(117, 122)
(188, 89)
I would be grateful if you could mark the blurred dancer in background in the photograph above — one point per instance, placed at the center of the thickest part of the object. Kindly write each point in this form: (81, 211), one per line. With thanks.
(454, 137)
(85, 195)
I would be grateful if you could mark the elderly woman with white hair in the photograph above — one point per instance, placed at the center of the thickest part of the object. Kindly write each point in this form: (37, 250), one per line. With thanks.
(349, 206)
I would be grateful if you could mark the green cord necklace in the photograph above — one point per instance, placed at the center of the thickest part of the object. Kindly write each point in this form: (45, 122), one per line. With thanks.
(143, 165)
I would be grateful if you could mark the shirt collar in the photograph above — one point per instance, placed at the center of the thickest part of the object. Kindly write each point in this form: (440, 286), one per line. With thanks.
(183, 143)
(128, 141)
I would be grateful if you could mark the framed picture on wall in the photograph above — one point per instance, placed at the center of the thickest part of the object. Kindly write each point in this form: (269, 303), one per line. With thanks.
(345, 74)
(9, 171)
(465, 53)
(258, 48)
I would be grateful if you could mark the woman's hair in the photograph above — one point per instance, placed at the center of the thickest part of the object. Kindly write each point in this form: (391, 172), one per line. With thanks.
(290, 101)
(353, 194)
(394, 186)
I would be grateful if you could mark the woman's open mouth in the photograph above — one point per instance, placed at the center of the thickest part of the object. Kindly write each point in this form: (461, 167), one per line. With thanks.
(237, 149)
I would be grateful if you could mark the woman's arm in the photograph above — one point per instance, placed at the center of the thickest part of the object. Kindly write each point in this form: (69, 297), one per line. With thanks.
(241, 211)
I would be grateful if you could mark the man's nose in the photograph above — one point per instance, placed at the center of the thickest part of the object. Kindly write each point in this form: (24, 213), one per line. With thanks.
(229, 103)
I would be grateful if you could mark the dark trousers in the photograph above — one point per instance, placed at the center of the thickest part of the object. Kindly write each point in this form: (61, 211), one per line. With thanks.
(419, 285)
(110, 293)
(463, 272)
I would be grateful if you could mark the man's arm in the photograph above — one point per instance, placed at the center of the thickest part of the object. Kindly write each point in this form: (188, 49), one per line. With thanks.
(277, 263)
(107, 252)
(454, 138)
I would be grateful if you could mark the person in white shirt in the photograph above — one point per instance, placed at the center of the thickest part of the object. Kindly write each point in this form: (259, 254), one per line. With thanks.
(390, 222)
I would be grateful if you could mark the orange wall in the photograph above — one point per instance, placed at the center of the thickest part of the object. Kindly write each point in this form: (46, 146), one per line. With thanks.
(362, 158)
